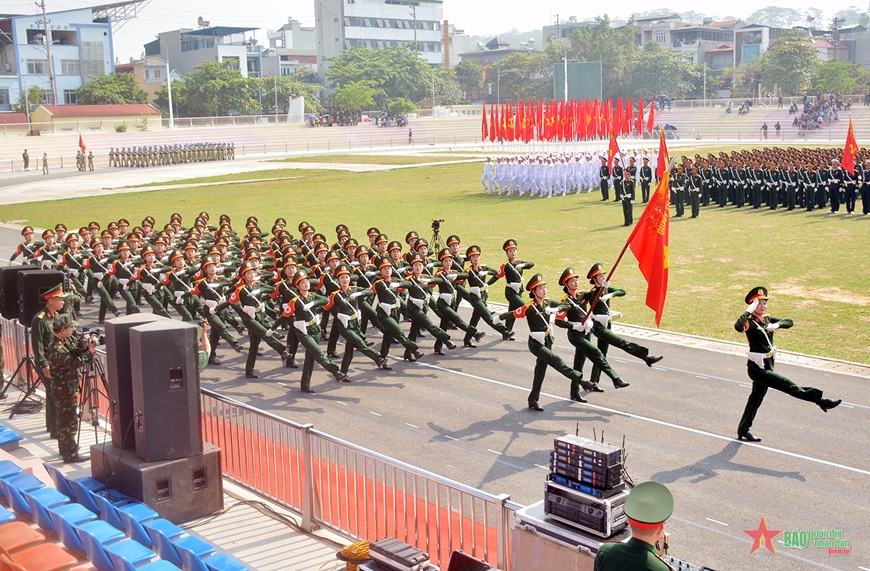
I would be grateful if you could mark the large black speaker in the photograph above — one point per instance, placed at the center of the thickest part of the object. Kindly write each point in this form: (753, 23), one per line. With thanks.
(32, 285)
(9, 290)
(166, 406)
(119, 373)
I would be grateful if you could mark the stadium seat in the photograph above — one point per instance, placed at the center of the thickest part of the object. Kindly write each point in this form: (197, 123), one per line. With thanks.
(41, 513)
(167, 549)
(70, 534)
(42, 557)
(61, 482)
(110, 513)
(18, 535)
(122, 564)
(217, 562)
(99, 554)
(9, 439)
(8, 468)
(6, 516)
(47, 496)
(139, 530)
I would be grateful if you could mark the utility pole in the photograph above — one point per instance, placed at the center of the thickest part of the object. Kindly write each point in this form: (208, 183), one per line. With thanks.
(41, 4)
(275, 77)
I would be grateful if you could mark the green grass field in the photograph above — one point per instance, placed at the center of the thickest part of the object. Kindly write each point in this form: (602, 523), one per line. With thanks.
(815, 264)
(366, 159)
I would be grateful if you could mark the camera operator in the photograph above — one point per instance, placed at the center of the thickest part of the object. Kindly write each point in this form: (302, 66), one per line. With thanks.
(66, 355)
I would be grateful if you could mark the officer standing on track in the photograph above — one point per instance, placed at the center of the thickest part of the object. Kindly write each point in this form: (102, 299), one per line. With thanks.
(759, 328)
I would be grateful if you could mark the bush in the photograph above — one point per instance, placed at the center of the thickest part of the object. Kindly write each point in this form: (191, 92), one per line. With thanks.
(122, 128)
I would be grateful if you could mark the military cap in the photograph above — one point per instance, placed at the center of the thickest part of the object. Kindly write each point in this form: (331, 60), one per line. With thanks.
(649, 505)
(175, 216)
(280, 222)
(147, 249)
(411, 235)
(56, 291)
(208, 261)
(303, 226)
(382, 261)
(535, 281)
(289, 261)
(59, 227)
(755, 293)
(332, 255)
(250, 224)
(351, 242)
(134, 238)
(246, 265)
(320, 247)
(646, 158)
(225, 218)
(94, 225)
(415, 258)
(84, 230)
(112, 226)
(372, 231)
(421, 242)
(63, 321)
(27, 230)
(567, 275)
(123, 222)
(381, 238)
(362, 250)
(597, 268)
(342, 269)
(340, 228)
(300, 275)
(174, 255)
(161, 240)
(472, 250)
(47, 233)
(452, 239)
(72, 236)
(319, 237)
(105, 234)
(444, 253)
(394, 245)
(509, 244)
(123, 246)
(95, 243)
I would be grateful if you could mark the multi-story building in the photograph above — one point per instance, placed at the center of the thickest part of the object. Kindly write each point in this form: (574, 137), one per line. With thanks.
(345, 24)
(149, 73)
(188, 48)
(80, 44)
(564, 28)
(292, 35)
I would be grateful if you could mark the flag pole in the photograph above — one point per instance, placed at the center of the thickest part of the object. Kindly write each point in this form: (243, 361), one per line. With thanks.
(622, 253)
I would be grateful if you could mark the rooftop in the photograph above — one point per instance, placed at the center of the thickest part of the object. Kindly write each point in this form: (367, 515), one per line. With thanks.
(134, 109)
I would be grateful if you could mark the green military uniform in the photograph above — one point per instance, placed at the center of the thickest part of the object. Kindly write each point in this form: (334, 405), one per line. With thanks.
(210, 290)
(648, 506)
(762, 354)
(121, 270)
(251, 309)
(512, 272)
(601, 326)
(448, 295)
(149, 280)
(578, 335)
(65, 360)
(41, 338)
(388, 310)
(418, 303)
(475, 294)
(537, 316)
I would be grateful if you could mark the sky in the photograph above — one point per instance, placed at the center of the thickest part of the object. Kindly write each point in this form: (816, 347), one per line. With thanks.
(475, 17)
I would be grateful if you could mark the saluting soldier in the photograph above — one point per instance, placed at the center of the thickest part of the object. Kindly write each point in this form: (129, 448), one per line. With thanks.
(693, 190)
(537, 314)
(416, 283)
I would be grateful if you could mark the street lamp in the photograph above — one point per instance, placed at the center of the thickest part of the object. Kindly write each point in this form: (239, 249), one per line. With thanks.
(168, 85)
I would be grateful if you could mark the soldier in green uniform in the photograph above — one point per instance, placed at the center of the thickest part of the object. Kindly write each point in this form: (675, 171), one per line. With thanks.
(512, 272)
(648, 507)
(475, 293)
(26, 157)
(578, 332)
(537, 313)
(27, 248)
(448, 295)
(65, 359)
(417, 285)
(41, 338)
(759, 328)
(388, 311)
(149, 277)
(601, 314)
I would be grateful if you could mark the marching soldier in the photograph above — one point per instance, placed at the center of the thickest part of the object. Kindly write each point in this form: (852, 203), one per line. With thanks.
(603, 176)
(645, 177)
(388, 311)
(512, 272)
(27, 248)
(211, 290)
(627, 198)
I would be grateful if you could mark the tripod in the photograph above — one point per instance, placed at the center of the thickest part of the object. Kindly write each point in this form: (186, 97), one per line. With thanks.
(93, 388)
(435, 243)
(30, 370)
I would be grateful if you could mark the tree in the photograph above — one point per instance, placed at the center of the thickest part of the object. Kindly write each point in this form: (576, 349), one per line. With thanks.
(776, 17)
(112, 89)
(469, 76)
(788, 63)
(521, 76)
(30, 99)
(833, 76)
(217, 88)
(356, 95)
(401, 106)
(288, 86)
(656, 70)
(394, 72)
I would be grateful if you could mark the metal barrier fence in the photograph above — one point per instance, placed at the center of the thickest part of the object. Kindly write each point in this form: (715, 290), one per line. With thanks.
(356, 492)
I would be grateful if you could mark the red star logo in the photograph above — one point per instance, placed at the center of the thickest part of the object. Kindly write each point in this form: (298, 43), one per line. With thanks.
(762, 532)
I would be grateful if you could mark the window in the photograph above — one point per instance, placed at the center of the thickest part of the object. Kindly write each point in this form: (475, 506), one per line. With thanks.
(347, 21)
(369, 44)
(147, 74)
(70, 97)
(368, 23)
(47, 97)
(158, 73)
(661, 37)
(70, 67)
(382, 44)
(37, 66)
(436, 26)
(406, 24)
(4, 97)
(380, 23)
(347, 45)
(93, 60)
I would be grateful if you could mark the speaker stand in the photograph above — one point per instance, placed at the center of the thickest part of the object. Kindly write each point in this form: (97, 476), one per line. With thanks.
(30, 368)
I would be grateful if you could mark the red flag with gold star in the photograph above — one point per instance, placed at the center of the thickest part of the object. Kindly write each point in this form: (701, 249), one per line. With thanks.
(850, 151)
(82, 142)
(484, 131)
(662, 164)
(612, 149)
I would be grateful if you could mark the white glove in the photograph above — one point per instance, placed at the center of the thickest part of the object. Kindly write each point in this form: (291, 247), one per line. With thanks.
(496, 319)
(482, 273)
(520, 266)
(308, 306)
(752, 307)
(578, 326)
(605, 283)
(356, 294)
(551, 310)
(269, 332)
(587, 327)
(606, 296)
(772, 326)
(394, 285)
(424, 281)
(615, 314)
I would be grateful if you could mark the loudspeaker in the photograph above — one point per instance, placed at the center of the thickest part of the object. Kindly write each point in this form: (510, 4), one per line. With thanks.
(166, 405)
(9, 290)
(119, 373)
(32, 285)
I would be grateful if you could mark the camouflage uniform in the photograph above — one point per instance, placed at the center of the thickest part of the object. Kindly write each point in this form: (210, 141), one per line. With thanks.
(65, 361)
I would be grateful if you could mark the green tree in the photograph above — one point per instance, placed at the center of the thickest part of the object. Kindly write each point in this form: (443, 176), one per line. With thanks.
(401, 106)
(356, 95)
(33, 96)
(521, 76)
(656, 70)
(215, 89)
(111, 89)
(394, 72)
(788, 63)
(469, 76)
(833, 76)
(288, 86)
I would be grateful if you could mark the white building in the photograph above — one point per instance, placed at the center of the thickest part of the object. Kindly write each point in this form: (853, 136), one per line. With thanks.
(345, 24)
(292, 36)
(187, 48)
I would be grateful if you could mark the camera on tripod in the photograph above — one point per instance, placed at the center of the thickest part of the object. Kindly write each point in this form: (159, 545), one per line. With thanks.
(87, 336)
(436, 224)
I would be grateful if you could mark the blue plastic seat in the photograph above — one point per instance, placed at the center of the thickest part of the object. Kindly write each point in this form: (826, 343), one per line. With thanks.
(111, 513)
(39, 511)
(70, 534)
(86, 497)
(167, 549)
(48, 497)
(142, 530)
(122, 564)
(8, 468)
(61, 482)
(8, 437)
(6, 516)
(99, 554)
(217, 562)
